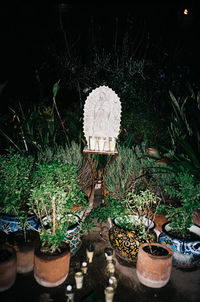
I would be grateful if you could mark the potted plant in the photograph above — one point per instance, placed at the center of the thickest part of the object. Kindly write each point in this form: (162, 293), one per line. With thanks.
(15, 172)
(180, 232)
(16, 218)
(131, 225)
(127, 216)
(153, 262)
(55, 194)
(70, 154)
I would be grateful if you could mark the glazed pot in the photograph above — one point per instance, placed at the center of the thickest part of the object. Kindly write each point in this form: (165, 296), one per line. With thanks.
(74, 236)
(25, 249)
(125, 241)
(51, 270)
(186, 252)
(8, 267)
(9, 223)
(154, 270)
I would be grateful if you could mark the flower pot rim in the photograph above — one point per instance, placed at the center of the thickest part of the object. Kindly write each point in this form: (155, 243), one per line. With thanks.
(179, 237)
(73, 226)
(128, 229)
(170, 251)
(49, 256)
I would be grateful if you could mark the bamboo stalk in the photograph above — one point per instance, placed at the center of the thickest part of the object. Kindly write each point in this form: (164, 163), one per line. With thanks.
(54, 215)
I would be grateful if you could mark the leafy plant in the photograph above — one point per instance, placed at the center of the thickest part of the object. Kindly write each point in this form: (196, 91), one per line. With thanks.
(15, 184)
(37, 127)
(184, 130)
(134, 212)
(143, 206)
(70, 154)
(134, 171)
(185, 191)
(55, 193)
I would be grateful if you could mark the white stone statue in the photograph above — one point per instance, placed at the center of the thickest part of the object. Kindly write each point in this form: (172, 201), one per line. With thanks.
(102, 114)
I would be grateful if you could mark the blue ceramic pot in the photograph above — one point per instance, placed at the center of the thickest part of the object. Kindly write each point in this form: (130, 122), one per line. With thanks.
(126, 241)
(186, 252)
(9, 224)
(74, 236)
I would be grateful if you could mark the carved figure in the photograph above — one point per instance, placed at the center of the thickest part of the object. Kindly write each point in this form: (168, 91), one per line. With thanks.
(102, 114)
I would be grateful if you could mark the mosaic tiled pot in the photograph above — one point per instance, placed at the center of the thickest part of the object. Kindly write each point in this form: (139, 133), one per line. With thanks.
(74, 236)
(10, 223)
(186, 252)
(125, 241)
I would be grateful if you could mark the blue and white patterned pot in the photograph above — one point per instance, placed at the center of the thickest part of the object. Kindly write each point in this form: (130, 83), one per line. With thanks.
(10, 223)
(74, 236)
(186, 252)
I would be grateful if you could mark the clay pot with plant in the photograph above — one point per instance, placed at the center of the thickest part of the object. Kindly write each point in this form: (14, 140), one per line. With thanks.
(153, 262)
(55, 194)
(16, 218)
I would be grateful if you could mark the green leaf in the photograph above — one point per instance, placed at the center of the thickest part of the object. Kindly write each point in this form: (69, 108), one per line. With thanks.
(56, 87)
(189, 151)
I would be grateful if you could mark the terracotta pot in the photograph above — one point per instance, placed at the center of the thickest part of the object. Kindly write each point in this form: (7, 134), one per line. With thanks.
(196, 217)
(8, 267)
(51, 270)
(24, 249)
(153, 152)
(154, 271)
(163, 161)
(159, 220)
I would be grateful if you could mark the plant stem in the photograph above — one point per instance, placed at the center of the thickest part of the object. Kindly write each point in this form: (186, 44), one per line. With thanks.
(54, 215)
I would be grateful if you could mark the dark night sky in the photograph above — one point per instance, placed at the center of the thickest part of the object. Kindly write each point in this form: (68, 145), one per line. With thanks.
(27, 28)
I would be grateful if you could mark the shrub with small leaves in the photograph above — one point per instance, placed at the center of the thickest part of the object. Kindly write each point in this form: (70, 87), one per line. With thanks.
(55, 193)
(15, 183)
(185, 189)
